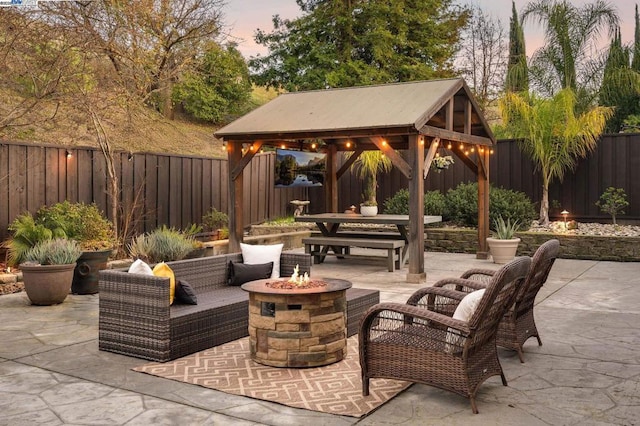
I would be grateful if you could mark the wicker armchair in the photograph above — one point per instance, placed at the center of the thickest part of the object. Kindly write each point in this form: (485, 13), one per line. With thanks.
(518, 324)
(420, 341)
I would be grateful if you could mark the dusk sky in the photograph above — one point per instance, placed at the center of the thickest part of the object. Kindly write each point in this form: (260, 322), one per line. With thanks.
(245, 16)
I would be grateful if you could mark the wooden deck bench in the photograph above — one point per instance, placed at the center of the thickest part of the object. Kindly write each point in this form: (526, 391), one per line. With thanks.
(319, 247)
(135, 317)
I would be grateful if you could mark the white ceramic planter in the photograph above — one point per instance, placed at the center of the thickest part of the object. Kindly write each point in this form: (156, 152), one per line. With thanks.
(368, 210)
(502, 251)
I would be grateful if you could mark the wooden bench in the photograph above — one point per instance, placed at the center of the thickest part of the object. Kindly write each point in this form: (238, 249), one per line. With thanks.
(319, 247)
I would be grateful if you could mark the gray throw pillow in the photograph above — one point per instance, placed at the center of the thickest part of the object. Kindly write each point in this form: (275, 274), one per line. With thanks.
(240, 273)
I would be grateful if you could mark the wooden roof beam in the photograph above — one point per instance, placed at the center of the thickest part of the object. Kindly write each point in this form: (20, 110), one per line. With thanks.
(436, 132)
(246, 158)
(395, 158)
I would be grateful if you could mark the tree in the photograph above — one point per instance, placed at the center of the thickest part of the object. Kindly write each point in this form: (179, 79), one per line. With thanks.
(635, 65)
(482, 59)
(149, 43)
(340, 43)
(565, 61)
(620, 85)
(367, 166)
(517, 70)
(218, 87)
(552, 134)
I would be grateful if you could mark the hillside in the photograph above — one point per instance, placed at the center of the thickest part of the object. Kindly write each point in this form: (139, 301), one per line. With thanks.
(144, 131)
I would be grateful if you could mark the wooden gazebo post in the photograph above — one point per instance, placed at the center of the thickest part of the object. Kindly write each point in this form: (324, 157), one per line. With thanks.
(236, 225)
(416, 272)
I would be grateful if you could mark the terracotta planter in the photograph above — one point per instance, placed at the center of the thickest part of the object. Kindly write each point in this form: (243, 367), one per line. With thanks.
(85, 276)
(368, 210)
(502, 251)
(47, 284)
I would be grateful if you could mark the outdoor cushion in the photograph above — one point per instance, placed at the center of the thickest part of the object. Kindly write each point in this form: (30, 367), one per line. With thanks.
(185, 293)
(163, 270)
(463, 312)
(260, 254)
(240, 273)
(140, 267)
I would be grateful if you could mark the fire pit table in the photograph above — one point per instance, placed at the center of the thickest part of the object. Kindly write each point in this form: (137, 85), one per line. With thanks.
(297, 327)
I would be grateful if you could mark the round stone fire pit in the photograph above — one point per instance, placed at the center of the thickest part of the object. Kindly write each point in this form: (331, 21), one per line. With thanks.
(300, 327)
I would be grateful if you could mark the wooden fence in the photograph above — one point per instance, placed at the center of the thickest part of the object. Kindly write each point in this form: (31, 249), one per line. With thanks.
(158, 189)
(615, 162)
(155, 189)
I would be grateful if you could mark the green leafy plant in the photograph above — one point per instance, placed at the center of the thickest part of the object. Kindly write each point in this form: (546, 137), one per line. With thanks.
(84, 223)
(214, 220)
(57, 251)
(162, 245)
(434, 203)
(26, 234)
(613, 201)
(505, 230)
(461, 206)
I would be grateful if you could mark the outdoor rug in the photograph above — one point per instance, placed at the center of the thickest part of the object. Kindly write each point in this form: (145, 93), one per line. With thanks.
(335, 388)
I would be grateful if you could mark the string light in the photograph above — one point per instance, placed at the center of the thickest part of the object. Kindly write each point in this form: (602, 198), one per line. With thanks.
(384, 142)
(313, 146)
(473, 149)
(283, 146)
(348, 144)
(69, 154)
(449, 145)
(466, 153)
(491, 152)
(421, 140)
(437, 154)
(481, 150)
(461, 146)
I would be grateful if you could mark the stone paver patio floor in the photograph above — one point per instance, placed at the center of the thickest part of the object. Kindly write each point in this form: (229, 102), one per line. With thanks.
(586, 373)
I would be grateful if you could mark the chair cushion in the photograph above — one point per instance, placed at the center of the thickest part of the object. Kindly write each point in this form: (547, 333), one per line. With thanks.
(468, 305)
(260, 254)
(240, 273)
(463, 312)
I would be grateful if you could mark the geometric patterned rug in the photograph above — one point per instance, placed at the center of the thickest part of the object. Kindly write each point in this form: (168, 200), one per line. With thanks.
(335, 388)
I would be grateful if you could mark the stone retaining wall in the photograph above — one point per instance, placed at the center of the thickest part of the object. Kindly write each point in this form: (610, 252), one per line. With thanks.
(625, 249)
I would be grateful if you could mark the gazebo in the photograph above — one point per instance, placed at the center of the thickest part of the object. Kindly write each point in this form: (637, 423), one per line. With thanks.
(415, 116)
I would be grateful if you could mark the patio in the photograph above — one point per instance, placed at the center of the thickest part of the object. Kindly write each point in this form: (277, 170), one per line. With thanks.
(586, 372)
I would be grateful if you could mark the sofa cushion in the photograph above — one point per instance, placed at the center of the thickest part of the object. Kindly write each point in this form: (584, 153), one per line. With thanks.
(163, 270)
(140, 267)
(240, 273)
(185, 293)
(257, 254)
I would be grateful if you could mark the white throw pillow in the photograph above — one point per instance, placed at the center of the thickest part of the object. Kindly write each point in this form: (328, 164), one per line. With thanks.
(140, 267)
(463, 312)
(256, 255)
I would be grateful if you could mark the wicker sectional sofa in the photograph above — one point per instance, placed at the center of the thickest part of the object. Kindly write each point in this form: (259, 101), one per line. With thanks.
(137, 320)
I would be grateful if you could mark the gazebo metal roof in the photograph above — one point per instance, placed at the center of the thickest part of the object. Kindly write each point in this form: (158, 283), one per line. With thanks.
(391, 109)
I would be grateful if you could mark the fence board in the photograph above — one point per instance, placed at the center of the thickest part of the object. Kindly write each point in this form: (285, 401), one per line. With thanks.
(159, 189)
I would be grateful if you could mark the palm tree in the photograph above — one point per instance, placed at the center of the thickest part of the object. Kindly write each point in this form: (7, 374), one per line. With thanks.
(367, 166)
(552, 134)
(565, 61)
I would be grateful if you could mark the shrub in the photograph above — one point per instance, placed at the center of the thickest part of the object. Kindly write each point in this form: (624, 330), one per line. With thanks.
(214, 220)
(26, 234)
(613, 201)
(84, 223)
(461, 206)
(434, 203)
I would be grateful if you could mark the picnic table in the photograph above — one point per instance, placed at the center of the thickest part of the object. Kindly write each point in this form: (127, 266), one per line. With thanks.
(396, 243)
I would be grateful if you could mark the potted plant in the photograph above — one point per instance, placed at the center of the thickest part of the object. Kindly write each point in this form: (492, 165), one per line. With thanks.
(441, 163)
(504, 245)
(83, 223)
(48, 270)
(87, 225)
(367, 166)
(214, 221)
